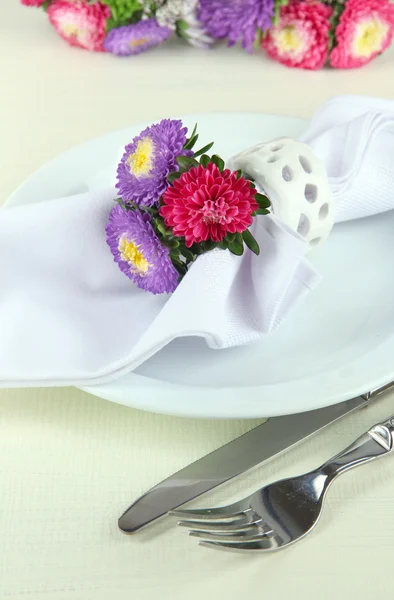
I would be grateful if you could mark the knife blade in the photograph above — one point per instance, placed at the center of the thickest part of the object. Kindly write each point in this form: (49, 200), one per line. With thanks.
(250, 450)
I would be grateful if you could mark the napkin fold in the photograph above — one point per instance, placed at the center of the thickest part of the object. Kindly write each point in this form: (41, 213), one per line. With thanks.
(68, 316)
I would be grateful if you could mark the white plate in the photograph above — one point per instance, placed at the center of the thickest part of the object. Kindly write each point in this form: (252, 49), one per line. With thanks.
(337, 344)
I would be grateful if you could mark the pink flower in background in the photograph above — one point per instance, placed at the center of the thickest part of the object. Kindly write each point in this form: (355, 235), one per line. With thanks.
(301, 37)
(365, 30)
(32, 2)
(80, 24)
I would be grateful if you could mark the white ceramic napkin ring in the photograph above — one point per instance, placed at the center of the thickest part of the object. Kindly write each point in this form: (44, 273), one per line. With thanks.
(296, 183)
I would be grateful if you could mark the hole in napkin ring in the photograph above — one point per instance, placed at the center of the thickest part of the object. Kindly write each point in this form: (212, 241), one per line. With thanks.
(314, 242)
(305, 164)
(287, 173)
(323, 212)
(311, 192)
(303, 225)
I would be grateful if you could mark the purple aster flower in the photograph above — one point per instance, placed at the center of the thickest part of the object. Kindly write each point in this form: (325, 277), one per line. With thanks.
(236, 19)
(147, 161)
(134, 39)
(138, 251)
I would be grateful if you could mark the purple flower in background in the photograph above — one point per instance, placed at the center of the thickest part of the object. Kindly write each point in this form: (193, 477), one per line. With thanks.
(138, 251)
(134, 39)
(236, 19)
(147, 161)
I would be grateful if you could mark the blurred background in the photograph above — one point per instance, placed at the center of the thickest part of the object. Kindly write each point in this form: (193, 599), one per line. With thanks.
(54, 96)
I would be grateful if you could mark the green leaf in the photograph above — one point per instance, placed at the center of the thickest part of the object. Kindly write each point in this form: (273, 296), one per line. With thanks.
(162, 228)
(262, 211)
(204, 149)
(239, 174)
(191, 142)
(194, 131)
(262, 201)
(219, 162)
(208, 246)
(230, 237)
(250, 242)
(173, 244)
(187, 254)
(174, 175)
(185, 162)
(182, 25)
(121, 203)
(257, 41)
(182, 269)
(181, 29)
(236, 248)
(175, 257)
(205, 160)
(196, 249)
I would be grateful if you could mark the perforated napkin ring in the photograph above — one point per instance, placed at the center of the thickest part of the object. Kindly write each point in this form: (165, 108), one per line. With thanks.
(295, 181)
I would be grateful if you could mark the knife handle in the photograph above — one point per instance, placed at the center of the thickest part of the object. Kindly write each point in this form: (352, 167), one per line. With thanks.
(377, 441)
(379, 390)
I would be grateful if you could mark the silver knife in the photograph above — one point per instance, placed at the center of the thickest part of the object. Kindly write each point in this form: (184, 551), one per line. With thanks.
(249, 450)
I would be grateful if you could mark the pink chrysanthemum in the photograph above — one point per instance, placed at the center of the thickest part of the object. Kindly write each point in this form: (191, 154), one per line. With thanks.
(301, 37)
(79, 23)
(36, 3)
(365, 30)
(207, 204)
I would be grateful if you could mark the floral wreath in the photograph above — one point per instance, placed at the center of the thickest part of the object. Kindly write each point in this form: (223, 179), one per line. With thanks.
(307, 34)
(175, 204)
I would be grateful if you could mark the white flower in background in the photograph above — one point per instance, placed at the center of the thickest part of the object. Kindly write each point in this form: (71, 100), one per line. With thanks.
(147, 6)
(181, 15)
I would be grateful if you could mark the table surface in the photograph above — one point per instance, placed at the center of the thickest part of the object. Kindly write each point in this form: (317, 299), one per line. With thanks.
(71, 463)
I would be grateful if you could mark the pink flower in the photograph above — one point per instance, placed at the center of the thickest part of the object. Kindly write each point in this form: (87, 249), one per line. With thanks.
(32, 2)
(365, 30)
(79, 23)
(206, 204)
(301, 37)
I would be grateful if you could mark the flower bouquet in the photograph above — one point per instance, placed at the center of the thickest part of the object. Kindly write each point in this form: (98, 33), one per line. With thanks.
(175, 204)
(308, 34)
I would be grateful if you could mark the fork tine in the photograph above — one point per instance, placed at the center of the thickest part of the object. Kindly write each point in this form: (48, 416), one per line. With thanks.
(233, 521)
(251, 534)
(223, 512)
(264, 544)
(247, 522)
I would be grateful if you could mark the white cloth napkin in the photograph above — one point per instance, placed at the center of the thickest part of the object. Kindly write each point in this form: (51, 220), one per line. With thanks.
(68, 316)
(354, 137)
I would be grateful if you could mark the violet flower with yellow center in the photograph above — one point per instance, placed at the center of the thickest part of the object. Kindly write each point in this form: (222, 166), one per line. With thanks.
(138, 251)
(135, 38)
(140, 162)
(147, 161)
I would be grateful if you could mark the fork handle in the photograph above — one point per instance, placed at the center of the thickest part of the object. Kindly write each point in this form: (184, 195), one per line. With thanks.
(377, 441)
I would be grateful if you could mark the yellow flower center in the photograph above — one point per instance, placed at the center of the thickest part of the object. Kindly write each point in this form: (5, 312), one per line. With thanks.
(288, 39)
(140, 162)
(129, 252)
(139, 42)
(369, 38)
(71, 30)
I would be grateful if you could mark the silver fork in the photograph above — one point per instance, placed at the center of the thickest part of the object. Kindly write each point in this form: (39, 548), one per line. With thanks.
(283, 512)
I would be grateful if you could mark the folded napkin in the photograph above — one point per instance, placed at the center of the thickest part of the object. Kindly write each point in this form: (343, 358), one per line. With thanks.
(68, 316)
